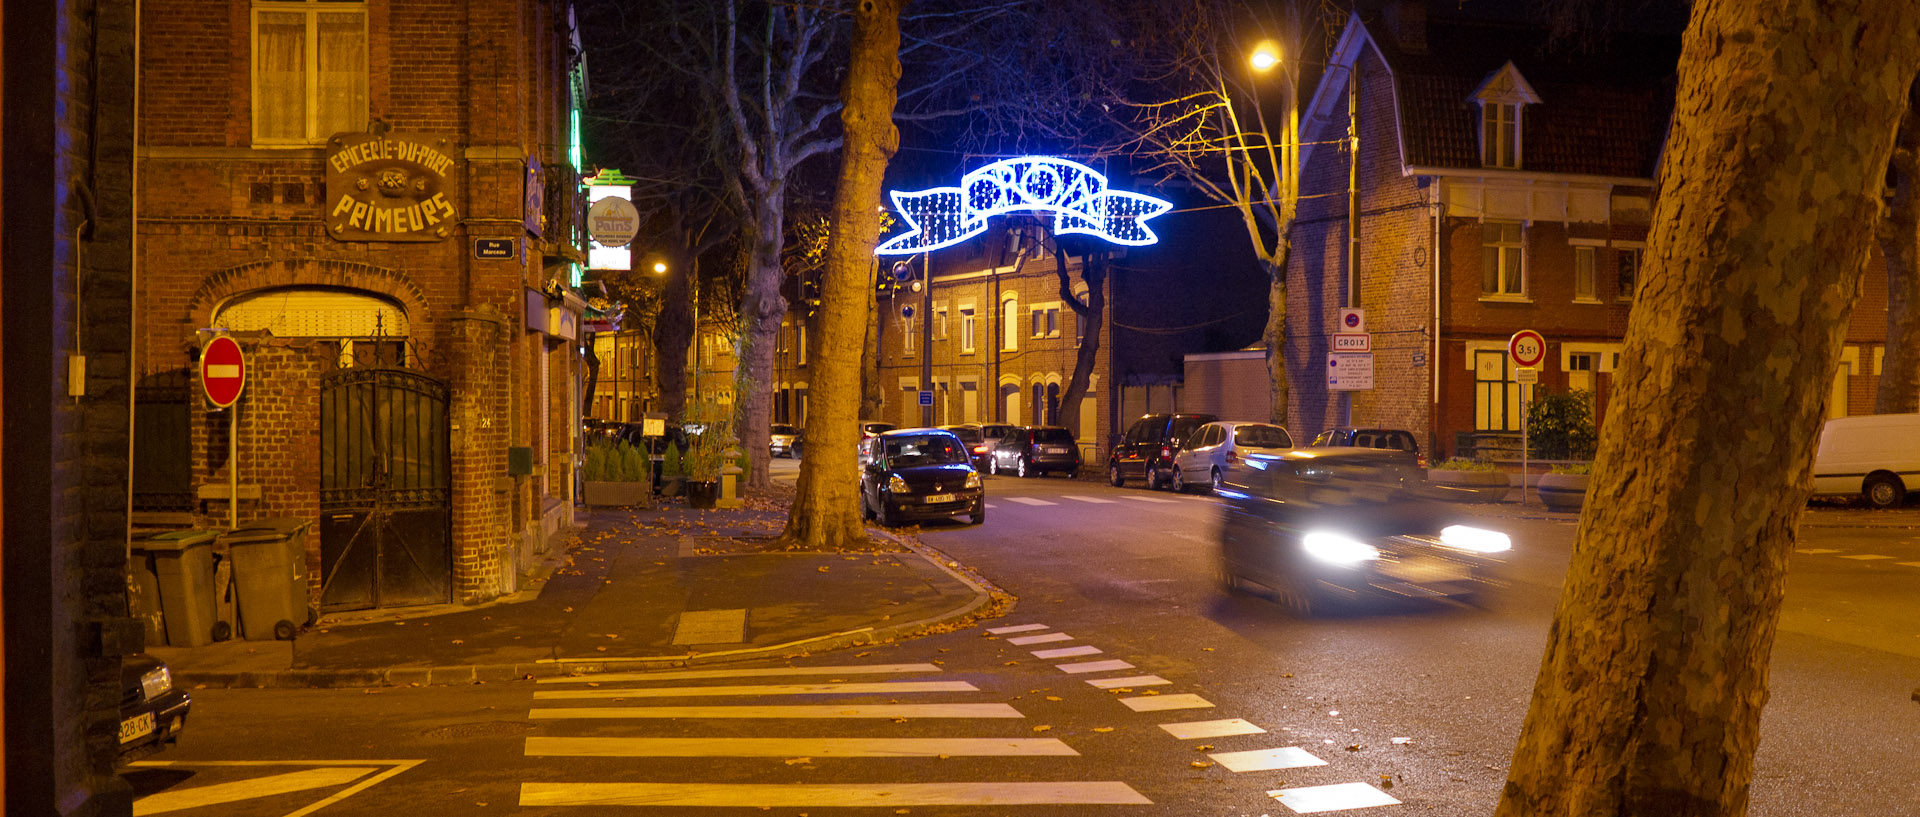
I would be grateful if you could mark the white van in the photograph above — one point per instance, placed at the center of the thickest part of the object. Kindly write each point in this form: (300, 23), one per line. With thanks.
(1876, 457)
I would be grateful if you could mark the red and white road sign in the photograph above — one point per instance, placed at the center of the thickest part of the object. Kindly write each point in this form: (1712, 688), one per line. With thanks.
(1352, 342)
(1527, 348)
(223, 371)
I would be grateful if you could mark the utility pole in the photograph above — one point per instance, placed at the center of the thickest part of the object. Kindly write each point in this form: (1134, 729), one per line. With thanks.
(926, 340)
(1353, 215)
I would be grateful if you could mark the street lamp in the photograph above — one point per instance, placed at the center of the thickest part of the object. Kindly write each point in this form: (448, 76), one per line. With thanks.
(1265, 56)
(659, 267)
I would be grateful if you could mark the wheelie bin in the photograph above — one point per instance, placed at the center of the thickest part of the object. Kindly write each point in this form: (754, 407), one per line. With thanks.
(270, 576)
(183, 572)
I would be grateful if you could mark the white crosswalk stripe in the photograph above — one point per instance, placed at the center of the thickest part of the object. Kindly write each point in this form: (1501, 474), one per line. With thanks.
(1155, 499)
(1089, 499)
(818, 795)
(881, 688)
(1027, 500)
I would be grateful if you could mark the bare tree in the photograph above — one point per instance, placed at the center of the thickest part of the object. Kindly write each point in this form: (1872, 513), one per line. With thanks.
(1649, 695)
(1899, 235)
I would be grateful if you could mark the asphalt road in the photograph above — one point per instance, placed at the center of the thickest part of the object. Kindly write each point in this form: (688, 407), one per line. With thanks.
(1419, 705)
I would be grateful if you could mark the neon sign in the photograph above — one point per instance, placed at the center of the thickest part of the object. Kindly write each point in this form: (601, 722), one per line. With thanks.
(1075, 194)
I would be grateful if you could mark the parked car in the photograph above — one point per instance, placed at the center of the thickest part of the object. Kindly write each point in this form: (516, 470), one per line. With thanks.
(1032, 451)
(919, 473)
(1875, 457)
(780, 443)
(152, 711)
(1147, 449)
(976, 440)
(1388, 438)
(1330, 525)
(1216, 448)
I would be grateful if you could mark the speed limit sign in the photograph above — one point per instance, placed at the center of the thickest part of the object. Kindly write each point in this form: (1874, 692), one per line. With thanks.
(1527, 348)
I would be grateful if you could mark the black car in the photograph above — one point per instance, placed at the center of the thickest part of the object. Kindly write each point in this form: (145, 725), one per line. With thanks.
(1032, 451)
(1384, 438)
(977, 442)
(1146, 452)
(1322, 526)
(152, 711)
(917, 474)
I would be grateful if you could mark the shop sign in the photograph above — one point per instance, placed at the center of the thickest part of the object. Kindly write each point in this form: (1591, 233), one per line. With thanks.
(613, 222)
(389, 187)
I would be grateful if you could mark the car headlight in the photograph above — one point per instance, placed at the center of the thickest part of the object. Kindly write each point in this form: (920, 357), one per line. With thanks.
(897, 485)
(973, 479)
(156, 682)
(1339, 550)
(1478, 540)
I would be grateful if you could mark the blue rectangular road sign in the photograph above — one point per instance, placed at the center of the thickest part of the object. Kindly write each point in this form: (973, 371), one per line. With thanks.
(926, 398)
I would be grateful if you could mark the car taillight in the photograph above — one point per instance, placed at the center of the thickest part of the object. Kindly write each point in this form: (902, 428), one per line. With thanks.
(1420, 459)
(1233, 456)
(979, 449)
(1165, 452)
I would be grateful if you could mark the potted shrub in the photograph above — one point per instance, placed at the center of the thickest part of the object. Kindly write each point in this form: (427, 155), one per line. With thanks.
(1565, 487)
(616, 475)
(1560, 427)
(1468, 481)
(706, 454)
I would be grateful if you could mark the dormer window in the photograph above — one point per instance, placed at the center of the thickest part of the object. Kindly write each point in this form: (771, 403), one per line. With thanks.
(1502, 98)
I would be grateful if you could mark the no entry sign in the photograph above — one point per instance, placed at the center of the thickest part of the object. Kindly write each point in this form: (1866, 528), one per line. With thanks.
(223, 371)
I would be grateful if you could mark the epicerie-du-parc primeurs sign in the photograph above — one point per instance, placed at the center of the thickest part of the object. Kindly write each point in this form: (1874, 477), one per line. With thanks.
(388, 187)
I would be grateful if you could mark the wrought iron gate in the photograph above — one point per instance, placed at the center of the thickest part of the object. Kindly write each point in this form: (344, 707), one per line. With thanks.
(384, 489)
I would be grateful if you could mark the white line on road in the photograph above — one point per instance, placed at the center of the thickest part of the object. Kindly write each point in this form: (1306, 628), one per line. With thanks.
(1211, 729)
(1866, 557)
(1263, 760)
(784, 711)
(1093, 499)
(824, 795)
(1129, 681)
(1038, 639)
(222, 793)
(1019, 628)
(875, 688)
(1315, 799)
(1908, 564)
(1067, 652)
(1815, 550)
(1093, 666)
(757, 672)
(797, 747)
(1156, 703)
(1027, 500)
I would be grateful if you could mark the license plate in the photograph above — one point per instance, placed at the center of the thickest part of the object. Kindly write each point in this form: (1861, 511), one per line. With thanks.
(1058, 449)
(136, 727)
(935, 498)
(1424, 570)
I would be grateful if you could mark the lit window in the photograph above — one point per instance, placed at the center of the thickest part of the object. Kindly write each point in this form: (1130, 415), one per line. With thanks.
(940, 324)
(1501, 268)
(1010, 322)
(1499, 134)
(1583, 274)
(800, 344)
(966, 331)
(309, 70)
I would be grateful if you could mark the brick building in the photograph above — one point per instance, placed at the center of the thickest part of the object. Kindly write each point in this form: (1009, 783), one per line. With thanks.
(1501, 185)
(382, 202)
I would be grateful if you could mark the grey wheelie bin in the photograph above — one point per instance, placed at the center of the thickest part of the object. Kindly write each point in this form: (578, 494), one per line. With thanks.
(183, 572)
(270, 576)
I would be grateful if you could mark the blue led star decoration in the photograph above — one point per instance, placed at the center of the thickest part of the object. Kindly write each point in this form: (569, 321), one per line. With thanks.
(1075, 194)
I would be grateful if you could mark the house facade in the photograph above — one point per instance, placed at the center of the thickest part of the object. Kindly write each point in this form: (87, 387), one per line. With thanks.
(381, 202)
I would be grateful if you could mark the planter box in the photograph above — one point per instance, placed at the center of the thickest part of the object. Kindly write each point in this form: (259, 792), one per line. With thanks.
(703, 494)
(617, 494)
(1562, 492)
(1469, 486)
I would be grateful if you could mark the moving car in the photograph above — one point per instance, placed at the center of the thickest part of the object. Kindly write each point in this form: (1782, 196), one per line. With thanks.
(780, 442)
(1320, 526)
(1875, 457)
(1387, 438)
(152, 711)
(977, 442)
(1032, 451)
(917, 474)
(1216, 448)
(1147, 450)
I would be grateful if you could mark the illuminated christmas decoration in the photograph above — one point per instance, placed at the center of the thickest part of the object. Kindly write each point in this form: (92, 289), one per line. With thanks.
(1077, 196)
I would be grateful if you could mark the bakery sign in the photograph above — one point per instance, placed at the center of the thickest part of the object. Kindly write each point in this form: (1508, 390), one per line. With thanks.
(389, 187)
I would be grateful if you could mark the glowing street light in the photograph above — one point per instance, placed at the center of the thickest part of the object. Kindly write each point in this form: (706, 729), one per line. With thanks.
(1265, 56)
(660, 267)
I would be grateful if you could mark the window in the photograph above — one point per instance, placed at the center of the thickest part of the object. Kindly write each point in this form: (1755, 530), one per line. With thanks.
(1580, 366)
(1500, 134)
(781, 345)
(800, 343)
(1045, 320)
(966, 331)
(906, 336)
(1502, 273)
(1496, 396)
(1627, 270)
(1583, 274)
(1010, 322)
(309, 70)
(940, 323)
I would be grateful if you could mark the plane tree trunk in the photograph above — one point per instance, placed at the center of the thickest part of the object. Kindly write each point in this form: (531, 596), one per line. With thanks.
(1649, 695)
(1899, 236)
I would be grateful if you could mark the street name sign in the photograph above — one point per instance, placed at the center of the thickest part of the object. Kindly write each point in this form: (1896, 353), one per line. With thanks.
(1352, 342)
(493, 249)
(223, 371)
(1349, 372)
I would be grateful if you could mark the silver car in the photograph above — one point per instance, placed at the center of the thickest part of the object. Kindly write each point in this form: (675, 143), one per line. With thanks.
(780, 442)
(1215, 449)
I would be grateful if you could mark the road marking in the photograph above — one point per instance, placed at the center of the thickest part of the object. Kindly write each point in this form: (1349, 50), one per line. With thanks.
(825, 795)
(1038, 639)
(1815, 550)
(876, 688)
(223, 793)
(1263, 760)
(1150, 499)
(1211, 729)
(989, 506)
(1908, 564)
(1093, 499)
(1156, 703)
(1866, 557)
(797, 747)
(1093, 666)
(711, 627)
(1315, 799)
(1129, 681)
(1066, 652)
(784, 711)
(1019, 628)
(1027, 500)
(396, 767)
(758, 672)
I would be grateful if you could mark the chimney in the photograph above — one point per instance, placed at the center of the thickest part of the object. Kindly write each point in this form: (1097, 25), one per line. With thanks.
(1407, 23)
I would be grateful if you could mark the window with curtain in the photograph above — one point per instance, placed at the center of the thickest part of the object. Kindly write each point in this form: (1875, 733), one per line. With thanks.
(1583, 274)
(1500, 134)
(309, 70)
(1501, 265)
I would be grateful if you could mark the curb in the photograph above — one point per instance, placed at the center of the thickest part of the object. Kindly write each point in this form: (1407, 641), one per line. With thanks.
(984, 593)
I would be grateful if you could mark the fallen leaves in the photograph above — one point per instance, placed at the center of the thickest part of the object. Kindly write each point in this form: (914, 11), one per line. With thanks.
(1041, 728)
(1103, 729)
(1200, 764)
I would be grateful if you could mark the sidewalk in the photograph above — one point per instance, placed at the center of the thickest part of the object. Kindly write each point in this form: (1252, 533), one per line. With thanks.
(1820, 514)
(666, 587)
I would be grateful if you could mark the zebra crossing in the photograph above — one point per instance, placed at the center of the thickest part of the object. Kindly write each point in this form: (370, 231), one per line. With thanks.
(597, 700)
(1037, 502)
